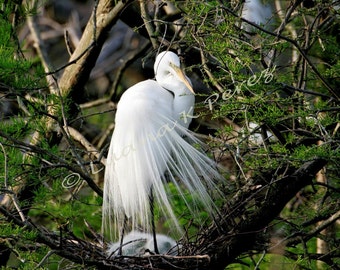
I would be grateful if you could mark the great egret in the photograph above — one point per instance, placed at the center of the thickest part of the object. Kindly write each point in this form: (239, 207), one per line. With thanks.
(137, 244)
(150, 125)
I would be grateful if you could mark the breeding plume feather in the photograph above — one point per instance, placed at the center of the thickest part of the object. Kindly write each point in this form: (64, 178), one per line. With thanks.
(151, 138)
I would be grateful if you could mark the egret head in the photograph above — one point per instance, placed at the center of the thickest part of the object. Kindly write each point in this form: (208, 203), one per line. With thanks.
(168, 64)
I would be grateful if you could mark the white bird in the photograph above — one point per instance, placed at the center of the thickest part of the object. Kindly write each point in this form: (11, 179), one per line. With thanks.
(256, 11)
(138, 244)
(150, 125)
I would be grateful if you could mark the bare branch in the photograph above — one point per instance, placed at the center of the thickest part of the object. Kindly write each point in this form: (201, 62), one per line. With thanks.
(296, 45)
(76, 135)
(148, 23)
(42, 52)
(75, 76)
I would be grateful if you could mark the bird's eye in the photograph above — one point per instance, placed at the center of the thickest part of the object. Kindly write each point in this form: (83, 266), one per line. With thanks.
(172, 65)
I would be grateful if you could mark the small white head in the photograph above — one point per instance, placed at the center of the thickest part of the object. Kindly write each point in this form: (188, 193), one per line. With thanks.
(138, 243)
(163, 61)
(168, 67)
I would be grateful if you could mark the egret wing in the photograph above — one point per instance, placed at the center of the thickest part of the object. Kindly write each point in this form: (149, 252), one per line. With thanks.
(135, 162)
(147, 142)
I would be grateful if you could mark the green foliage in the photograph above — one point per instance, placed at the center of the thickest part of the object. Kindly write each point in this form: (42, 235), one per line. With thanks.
(303, 153)
(16, 231)
(267, 261)
(54, 205)
(15, 71)
(55, 210)
(271, 114)
(197, 222)
(333, 71)
(278, 128)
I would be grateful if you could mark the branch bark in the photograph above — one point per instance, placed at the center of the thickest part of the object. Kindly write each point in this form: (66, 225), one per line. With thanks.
(296, 45)
(104, 16)
(220, 246)
(227, 247)
(76, 74)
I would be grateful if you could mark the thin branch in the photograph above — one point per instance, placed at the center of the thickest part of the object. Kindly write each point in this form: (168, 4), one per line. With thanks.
(295, 238)
(224, 248)
(295, 44)
(10, 193)
(49, 254)
(148, 23)
(305, 91)
(76, 135)
(210, 75)
(123, 65)
(42, 52)
(74, 77)
(94, 103)
(70, 63)
(5, 166)
(27, 147)
(89, 254)
(324, 224)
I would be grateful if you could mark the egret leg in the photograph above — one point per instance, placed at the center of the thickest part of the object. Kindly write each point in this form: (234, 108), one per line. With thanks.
(120, 251)
(153, 227)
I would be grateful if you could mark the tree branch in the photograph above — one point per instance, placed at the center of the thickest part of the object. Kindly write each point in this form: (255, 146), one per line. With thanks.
(76, 135)
(295, 44)
(148, 23)
(103, 18)
(224, 248)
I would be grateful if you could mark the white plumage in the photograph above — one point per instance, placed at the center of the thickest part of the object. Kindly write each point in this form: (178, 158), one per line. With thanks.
(138, 244)
(150, 126)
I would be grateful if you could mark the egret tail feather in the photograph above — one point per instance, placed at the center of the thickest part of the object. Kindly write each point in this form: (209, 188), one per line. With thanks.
(161, 149)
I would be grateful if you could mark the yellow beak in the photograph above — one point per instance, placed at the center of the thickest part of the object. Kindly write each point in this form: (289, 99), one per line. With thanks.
(183, 78)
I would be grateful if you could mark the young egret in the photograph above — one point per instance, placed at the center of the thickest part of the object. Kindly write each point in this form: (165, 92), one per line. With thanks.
(138, 244)
(150, 126)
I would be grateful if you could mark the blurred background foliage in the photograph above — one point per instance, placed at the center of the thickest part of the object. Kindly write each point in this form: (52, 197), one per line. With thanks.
(266, 75)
